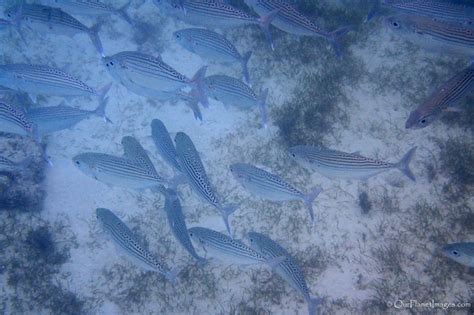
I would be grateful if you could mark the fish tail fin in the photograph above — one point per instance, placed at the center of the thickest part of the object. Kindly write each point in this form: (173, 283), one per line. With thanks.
(309, 198)
(404, 164)
(313, 305)
(245, 70)
(173, 274)
(335, 38)
(123, 12)
(192, 101)
(262, 103)
(100, 110)
(226, 212)
(198, 82)
(94, 35)
(264, 22)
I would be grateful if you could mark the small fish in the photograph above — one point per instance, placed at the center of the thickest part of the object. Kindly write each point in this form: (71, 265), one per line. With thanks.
(89, 7)
(14, 120)
(288, 269)
(130, 245)
(177, 224)
(118, 171)
(47, 20)
(443, 99)
(232, 91)
(164, 144)
(150, 76)
(462, 253)
(338, 164)
(40, 79)
(269, 186)
(224, 247)
(434, 35)
(7, 165)
(290, 20)
(214, 46)
(192, 167)
(55, 118)
(441, 10)
(214, 14)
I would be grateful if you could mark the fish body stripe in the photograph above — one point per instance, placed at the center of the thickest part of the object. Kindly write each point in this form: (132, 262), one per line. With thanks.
(15, 116)
(231, 86)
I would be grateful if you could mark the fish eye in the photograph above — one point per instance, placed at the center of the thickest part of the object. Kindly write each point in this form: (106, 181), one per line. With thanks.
(423, 121)
(455, 253)
(77, 162)
(111, 63)
(395, 24)
(191, 234)
(293, 155)
(9, 15)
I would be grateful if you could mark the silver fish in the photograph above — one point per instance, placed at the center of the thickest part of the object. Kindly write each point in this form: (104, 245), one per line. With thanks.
(55, 118)
(288, 269)
(462, 253)
(89, 7)
(443, 99)
(39, 79)
(191, 166)
(14, 120)
(232, 91)
(150, 76)
(434, 35)
(164, 144)
(177, 224)
(214, 46)
(130, 245)
(338, 164)
(46, 19)
(269, 186)
(290, 20)
(118, 171)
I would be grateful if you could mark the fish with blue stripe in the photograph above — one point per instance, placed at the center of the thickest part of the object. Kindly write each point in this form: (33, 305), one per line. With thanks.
(15, 121)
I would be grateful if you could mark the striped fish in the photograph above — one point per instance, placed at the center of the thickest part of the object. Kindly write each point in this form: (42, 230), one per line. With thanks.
(462, 253)
(177, 224)
(269, 186)
(212, 45)
(164, 144)
(39, 79)
(55, 118)
(118, 171)
(288, 269)
(290, 20)
(7, 165)
(223, 247)
(134, 151)
(14, 120)
(129, 244)
(232, 91)
(150, 76)
(48, 20)
(337, 164)
(443, 99)
(441, 10)
(89, 7)
(433, 34)
(191, 166)
(213, 14)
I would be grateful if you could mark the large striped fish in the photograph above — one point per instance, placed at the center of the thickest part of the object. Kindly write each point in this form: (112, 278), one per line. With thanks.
(462, 253)
(89, 7)
(40, 79)
(338, 164)
(292, 21)
(118, 171)
(14, 120)
(232, 91)
(443, 99)
(441, 10)
(211, 13)
(55, 118)
(127, 243)
(47, 20)
(164, 144)
(214, 46)
(150, 76)
(288, 269)
(192, 167)
(269, 186)
(177, 224)
(434, 35)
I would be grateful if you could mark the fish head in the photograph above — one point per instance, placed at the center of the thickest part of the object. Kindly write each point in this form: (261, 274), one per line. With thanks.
(86, 163)
(255, 240)
(398, 24)
(460, 252)
(298, 153)
(111, 63)
(239, 170)
(183, 142)
(13, 14)
(170, 7)
(418, 120)
(196, 234)
(104, 215)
